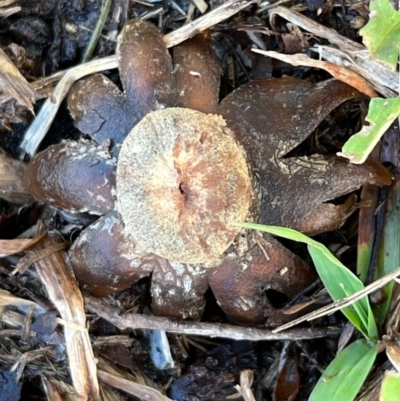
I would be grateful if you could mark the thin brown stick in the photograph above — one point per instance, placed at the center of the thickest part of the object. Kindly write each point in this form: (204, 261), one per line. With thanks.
(343, 74)
(353, 55)
(124, 320)
(36, 132)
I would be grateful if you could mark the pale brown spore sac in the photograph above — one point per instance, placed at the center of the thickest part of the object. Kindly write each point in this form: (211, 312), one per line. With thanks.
(197, 72)
(147, 76)
(241, 284)
(105, 260)
(181, 181)
(177, 289)
(73, 176)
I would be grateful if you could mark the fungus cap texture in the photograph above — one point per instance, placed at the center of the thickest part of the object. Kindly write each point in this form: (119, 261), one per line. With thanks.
(181, 181)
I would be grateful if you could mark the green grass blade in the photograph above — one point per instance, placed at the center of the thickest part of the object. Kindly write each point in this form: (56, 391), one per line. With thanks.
(341, 282)
(390, 389)
(345, 375)
(333, 274)
(389, 255)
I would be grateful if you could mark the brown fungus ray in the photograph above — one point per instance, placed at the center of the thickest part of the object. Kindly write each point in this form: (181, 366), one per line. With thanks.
(101, 110)
(147, 76)
(197, 72)
(271, 117)
(73, 176)
(242, 283)
(106, 260)
(177, 289)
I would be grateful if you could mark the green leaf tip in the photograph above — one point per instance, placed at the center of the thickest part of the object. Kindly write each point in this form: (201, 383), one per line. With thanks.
(382, 33)
(381, 114)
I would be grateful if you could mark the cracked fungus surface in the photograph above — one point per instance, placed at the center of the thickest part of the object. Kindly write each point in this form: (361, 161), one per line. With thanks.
(181, 181)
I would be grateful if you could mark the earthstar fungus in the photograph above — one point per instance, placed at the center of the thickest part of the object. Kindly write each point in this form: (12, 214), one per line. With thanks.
(183, 177)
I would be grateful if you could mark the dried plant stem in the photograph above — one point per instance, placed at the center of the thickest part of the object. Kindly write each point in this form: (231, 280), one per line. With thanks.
(124, 320)
(349, 54)
(343, 74)
(105, 9)
(246, 380)
(342, 303)
(36, 132)
(130, 387)
(55, 272)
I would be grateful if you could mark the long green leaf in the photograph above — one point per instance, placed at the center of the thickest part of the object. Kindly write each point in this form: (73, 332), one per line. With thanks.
(345, 375)
(390, 389)
(389, 257)
(338, 280)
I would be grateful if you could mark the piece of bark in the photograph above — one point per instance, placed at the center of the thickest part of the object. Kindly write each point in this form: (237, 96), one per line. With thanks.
(12, 187)
(57, 277)
(14, 82)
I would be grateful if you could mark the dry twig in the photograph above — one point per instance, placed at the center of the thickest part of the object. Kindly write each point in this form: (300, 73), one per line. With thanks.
(343, 74)
(246, 380)
(348, 54)
(124, 320)
(342, 303)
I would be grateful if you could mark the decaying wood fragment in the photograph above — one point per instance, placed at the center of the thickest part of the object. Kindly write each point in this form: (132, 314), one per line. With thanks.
(13, 82)
(56, 275)
(12, 187)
